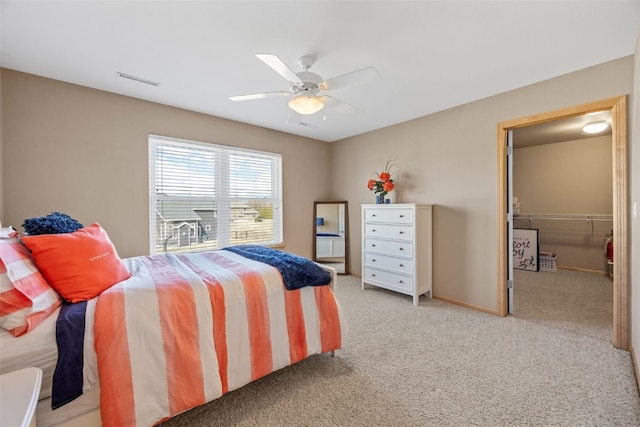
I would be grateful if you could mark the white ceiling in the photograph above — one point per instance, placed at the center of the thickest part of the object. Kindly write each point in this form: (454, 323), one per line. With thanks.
(561, 130)
(430, 55)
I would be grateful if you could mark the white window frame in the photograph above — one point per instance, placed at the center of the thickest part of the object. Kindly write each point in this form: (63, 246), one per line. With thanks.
(222, 198)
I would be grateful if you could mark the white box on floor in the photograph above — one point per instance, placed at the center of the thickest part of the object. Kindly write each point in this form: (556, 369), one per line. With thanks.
(547, 261)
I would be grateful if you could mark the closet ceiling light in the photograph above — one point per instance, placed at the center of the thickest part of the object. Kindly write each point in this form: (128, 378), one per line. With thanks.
(595, 127)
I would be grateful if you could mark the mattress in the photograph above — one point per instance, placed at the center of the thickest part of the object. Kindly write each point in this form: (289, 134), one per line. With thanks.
(36, 348)
(47, 417)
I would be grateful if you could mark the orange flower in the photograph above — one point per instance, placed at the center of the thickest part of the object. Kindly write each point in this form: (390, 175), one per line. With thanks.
(383, 184)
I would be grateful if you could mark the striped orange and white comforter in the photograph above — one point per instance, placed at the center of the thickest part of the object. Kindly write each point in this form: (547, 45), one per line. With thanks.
(185, 329)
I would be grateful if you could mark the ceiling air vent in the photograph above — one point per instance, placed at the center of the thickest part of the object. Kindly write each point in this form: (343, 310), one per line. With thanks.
(137, 79)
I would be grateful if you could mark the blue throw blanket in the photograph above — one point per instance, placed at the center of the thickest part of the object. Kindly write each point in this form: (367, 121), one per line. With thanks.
(297, 272)
(67, 377)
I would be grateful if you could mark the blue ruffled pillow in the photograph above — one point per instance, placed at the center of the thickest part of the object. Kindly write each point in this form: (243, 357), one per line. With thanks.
(55, 223)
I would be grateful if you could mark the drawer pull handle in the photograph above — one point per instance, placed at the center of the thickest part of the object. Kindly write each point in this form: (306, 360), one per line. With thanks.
(402, 232)
(373, 215)
(373, 246)
(402, 249)
(401, 265)
(401, 216)
(401, 282)
(374, 230)
(373, 275)
(373, 260)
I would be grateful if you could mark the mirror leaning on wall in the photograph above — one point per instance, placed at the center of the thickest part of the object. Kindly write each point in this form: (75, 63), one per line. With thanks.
(331, 236)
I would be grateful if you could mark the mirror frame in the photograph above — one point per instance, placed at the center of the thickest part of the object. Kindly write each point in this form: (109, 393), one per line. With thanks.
(346, 232)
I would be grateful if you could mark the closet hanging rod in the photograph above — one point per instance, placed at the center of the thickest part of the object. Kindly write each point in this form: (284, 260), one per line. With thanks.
(565, 217)
(589, 218)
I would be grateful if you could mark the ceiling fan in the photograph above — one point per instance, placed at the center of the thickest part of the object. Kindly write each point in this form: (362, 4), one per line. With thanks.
(306, 86)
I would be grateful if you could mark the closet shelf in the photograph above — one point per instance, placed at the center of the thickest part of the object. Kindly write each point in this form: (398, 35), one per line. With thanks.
(566, 217)
(588, 218)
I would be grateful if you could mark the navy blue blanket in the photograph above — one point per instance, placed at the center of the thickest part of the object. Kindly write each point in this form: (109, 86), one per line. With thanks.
(67, 377)
(297, 272)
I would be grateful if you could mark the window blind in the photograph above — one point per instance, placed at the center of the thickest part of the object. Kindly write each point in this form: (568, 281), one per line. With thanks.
(206, 196)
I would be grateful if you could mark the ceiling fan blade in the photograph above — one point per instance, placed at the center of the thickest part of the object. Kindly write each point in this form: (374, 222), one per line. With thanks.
(258, 96)
(278, 66)
(366, 75)
(340, 106)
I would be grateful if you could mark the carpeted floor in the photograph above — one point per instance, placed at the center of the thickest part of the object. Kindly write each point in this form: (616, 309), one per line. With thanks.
(570, 300)
(439, 365)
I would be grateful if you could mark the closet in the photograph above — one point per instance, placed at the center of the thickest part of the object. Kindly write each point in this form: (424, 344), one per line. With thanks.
(619, 181)
(563, 188)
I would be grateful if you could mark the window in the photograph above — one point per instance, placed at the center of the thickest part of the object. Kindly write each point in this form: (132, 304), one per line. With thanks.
(206, 196)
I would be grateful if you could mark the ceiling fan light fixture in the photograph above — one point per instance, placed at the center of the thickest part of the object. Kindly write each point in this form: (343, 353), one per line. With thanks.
(595, 127)
(306, 104)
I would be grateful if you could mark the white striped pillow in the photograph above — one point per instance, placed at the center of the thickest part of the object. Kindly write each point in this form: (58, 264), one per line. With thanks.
(26, 299)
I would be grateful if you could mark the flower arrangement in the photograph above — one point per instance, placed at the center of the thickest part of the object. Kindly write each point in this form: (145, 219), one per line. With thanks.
(384, 183)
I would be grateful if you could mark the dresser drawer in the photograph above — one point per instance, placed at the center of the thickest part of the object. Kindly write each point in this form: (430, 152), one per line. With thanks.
(395, 281)
(401, 265)
(388, 231)
(402, 249)
(395, 215)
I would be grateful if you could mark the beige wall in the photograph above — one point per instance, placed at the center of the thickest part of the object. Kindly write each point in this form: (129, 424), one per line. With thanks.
(449, 159)
(84, 152)
(571, 177)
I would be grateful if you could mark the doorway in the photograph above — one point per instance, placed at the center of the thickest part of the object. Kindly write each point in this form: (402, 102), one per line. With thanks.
(617, 107)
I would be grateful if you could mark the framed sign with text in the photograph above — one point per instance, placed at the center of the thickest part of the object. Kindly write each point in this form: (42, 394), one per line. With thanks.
(525, 249)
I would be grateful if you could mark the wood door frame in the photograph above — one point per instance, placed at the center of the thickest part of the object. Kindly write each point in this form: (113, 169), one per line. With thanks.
(618, 108)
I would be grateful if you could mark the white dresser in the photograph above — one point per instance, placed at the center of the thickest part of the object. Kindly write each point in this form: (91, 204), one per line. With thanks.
(396, 248)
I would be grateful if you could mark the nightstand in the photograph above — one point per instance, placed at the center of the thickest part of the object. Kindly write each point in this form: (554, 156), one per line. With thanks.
(19, 391)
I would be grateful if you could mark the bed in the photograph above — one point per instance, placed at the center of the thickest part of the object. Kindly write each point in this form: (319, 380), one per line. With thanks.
(182, 330)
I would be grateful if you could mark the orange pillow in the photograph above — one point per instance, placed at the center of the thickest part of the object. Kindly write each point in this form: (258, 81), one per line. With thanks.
(79, 265)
